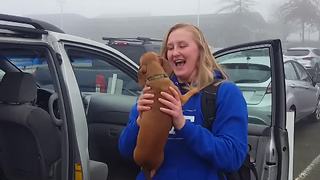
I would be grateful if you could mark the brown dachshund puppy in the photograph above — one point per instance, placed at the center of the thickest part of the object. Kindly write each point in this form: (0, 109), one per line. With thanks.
(154, 124)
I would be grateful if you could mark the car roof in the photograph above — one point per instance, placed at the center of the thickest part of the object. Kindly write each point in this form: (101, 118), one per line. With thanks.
(38, 30)
(136, 40)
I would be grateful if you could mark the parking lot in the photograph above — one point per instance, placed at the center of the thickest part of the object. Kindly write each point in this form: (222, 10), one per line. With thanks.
(306, 151)
(85, 68)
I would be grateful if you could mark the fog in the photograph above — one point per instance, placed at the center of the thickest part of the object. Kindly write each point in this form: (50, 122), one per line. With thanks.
(224, 22)
(94, 8)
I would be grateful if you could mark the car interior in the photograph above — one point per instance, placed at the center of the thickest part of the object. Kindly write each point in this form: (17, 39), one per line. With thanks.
(30, 141)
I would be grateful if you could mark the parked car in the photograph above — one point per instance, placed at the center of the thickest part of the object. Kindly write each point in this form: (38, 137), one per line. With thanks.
(251, 72)
(90, 121)
(309, 57)
(303, 94)
(134, 47)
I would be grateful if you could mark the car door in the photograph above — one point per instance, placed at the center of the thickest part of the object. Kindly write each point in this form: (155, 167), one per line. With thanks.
(294, 94)
(308, 92)
(268, 141)
(109, 88)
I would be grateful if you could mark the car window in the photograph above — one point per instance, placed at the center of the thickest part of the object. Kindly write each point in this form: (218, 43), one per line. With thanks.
(134, 47)
(296, 52)
(32, 61)
(290, 72)
(132, 51)
(247, 73)
(316, 51)
(95, 74)
(250, 70)
(303, 75)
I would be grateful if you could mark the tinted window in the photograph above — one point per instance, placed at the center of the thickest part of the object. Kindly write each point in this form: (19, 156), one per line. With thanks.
(296, 52)
(289, 71)
(302, 73)
(247, 73)
(32, 61)
(94, 73)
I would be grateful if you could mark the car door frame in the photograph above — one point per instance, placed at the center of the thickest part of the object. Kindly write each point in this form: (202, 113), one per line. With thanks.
(78, 122)
(277, 132)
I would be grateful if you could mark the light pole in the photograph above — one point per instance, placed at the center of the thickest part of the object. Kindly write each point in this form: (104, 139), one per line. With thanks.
(61, 12)
(198, 14)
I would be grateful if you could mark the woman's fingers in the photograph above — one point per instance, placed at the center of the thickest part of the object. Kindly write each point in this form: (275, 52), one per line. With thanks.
(173, 107)
(152, 173)
(168, 100)
(145, 100)
(146, 88)
(175, 93)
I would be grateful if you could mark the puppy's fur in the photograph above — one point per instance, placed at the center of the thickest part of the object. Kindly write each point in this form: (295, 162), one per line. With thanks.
(154, 124)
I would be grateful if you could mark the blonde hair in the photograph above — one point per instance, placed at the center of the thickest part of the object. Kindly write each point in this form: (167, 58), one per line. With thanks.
(207, 63)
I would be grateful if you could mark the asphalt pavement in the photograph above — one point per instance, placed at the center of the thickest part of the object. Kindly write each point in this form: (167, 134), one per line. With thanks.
(307, 151)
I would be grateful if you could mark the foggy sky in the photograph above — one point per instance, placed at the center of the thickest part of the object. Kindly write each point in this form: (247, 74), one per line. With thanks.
(94, 8)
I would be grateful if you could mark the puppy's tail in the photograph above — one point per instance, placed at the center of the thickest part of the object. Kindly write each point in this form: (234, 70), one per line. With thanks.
(146, 173)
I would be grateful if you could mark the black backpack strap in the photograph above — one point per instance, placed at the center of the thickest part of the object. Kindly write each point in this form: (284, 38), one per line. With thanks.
(208, 103)
(208, 107)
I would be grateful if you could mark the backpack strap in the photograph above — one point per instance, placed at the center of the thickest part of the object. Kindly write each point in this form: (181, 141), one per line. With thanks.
(208, 107)
(208, 103)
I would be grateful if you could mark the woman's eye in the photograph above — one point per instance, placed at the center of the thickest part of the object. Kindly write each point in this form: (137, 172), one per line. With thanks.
(183, 45)
(169, 48)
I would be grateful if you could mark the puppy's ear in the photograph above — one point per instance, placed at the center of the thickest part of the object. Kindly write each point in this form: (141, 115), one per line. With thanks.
(142, 75)
(165, 65)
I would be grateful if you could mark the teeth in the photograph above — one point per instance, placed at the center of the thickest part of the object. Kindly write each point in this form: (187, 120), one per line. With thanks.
(179, 62)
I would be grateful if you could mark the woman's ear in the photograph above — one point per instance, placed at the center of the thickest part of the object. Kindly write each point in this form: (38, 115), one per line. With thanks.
(166, 66)
(142, 75)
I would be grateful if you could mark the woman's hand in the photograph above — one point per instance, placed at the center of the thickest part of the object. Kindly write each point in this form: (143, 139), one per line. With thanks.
(144, 101)
(173, 107)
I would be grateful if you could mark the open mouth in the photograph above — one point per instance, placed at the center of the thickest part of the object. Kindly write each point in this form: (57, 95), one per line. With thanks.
(179, 62)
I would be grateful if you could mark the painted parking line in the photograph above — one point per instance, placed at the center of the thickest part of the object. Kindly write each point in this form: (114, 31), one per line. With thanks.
(309, 168)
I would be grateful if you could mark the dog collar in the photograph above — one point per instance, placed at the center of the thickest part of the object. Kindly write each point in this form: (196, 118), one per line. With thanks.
(157, 76)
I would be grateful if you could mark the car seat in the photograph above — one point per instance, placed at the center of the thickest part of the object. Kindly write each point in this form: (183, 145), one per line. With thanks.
(30, 144)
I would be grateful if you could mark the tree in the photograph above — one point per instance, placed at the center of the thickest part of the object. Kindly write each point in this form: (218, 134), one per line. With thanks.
(317, 20)
(302, 11)
(236, 6)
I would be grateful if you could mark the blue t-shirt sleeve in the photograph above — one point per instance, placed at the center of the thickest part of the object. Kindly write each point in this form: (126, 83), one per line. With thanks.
(128, 137)
(226, 145)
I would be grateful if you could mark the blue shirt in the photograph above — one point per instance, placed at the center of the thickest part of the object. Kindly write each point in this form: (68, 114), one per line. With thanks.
(194, 152)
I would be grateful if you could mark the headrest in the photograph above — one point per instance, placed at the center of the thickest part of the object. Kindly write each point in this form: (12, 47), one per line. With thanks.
(18, 87)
